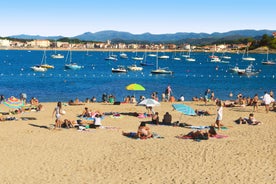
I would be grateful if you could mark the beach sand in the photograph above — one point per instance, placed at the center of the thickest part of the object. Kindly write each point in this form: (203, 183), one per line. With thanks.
(31, 153)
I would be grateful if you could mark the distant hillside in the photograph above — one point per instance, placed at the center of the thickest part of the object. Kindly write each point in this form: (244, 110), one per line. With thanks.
(35, 37)
(197, 38)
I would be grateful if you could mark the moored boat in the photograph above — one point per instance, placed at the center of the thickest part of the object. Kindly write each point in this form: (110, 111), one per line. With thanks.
(119, 69)
(134, 67)
(38, 68)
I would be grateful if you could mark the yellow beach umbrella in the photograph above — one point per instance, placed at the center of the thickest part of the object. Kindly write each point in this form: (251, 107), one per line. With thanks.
(135, 87)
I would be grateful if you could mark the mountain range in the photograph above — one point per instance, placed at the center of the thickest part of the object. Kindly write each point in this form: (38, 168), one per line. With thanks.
(102, 36)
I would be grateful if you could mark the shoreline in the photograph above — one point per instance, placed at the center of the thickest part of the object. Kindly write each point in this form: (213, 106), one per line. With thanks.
(257, 51)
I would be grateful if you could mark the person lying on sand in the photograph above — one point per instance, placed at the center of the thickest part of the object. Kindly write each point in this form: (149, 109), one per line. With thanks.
(199, 134)
(202, 112)
(250, 120)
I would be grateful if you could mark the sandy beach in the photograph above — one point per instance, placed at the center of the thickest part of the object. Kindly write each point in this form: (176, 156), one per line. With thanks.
(31, 153)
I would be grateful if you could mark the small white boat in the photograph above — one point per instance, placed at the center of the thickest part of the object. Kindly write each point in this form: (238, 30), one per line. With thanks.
(123, 55)
(152, 55)
(226, 57)
(164, 57)
(111, 58)
(38, 68)
(190, 59)
(177, 59)
(57, 56)
(236, 69)
(137, 58)
(73, 66)
(134, 67)
(215, 60)
(249, 71)
(267, 61)
(69, 64)
(245, 56)
(119, 69)
(248, 59)
(160, 70)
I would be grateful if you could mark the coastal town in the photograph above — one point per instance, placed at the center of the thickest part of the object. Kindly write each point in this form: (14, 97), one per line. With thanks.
(6, 43)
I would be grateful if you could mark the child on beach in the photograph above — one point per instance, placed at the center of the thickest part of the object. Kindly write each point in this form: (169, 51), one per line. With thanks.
(58, 112)
(219, 114)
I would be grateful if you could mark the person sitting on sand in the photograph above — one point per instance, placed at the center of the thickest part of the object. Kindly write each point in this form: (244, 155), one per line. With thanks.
(97, 121)
(34, 102)
(250, 120)
(127, 99)
(143, 132)
(86, 112)
(133, 100)
(155, 118)
(167, 119)
(68, 123)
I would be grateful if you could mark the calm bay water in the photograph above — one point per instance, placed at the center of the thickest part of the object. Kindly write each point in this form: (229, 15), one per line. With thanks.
(95, 78)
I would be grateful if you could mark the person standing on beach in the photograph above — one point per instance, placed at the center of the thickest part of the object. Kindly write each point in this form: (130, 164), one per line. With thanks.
(58, 112)
(207, 96)
(168, 92)
(267, 99)
(219, 114)
(255, 101)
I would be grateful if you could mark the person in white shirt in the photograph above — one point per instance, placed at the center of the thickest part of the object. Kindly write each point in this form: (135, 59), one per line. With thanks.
(267, 99)
(219, 114)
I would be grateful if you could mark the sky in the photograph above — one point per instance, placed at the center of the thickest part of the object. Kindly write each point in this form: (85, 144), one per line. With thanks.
(74, 17)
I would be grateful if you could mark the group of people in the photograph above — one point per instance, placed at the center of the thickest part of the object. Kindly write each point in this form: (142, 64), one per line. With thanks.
(94, 122)
(167, 119)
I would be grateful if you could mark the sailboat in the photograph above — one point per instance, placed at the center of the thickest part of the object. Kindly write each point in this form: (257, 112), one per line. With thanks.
(39, 68)
(247, 58)
(123, 55)
(70, 65)
(44, 63)
(175, 57)
(160, 70)
(267, 61)
(111, 57)
(56, 55)
(137, 58)
(164, 56)
(189, 57)
(146, 63)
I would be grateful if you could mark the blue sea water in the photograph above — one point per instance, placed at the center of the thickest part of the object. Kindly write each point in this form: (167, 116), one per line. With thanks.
(95, 78)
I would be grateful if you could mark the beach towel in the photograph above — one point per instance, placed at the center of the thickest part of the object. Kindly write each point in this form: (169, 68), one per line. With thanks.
(222, 128)
(133, 135)
(205, 127)
(198, 127)
(189, 137)
(110, 128)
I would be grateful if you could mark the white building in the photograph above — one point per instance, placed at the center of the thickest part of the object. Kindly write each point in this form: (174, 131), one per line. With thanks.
(4, 43)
